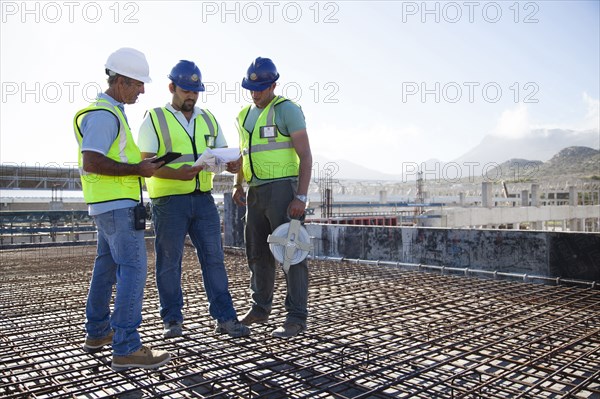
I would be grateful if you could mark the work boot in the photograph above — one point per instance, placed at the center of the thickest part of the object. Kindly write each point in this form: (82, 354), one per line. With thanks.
(252, 317)
(173, 329)
(234, 328)
(144, 358)
(288, 330)
(92, 345)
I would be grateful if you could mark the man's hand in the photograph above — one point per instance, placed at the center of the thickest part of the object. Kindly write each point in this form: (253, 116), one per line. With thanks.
(239, 196)
(296, 208)
(147, 168)
(234, 166)
(187, 172)
(94, 162)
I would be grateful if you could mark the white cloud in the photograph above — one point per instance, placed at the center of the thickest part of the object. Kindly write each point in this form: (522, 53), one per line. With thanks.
(592, 116)
(378, 147)
(586, 116)
(410, 132)
(513, 123)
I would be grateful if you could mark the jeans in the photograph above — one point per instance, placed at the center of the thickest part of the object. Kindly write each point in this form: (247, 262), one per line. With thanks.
(267, 209)
(121, 260)
(196, 215)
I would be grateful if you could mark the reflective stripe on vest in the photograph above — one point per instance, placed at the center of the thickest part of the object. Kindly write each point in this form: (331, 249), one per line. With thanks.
(173, 137)
(102, 188)
(266, 158)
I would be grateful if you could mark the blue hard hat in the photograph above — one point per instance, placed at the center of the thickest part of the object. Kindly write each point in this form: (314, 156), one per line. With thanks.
(187, 76)
(261, 74)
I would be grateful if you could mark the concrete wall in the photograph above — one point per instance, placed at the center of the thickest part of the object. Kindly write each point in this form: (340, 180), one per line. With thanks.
(233, 222)
(541, 253)
(548, 254)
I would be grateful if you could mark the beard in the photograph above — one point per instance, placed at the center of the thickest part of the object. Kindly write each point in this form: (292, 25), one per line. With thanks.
(188, 106)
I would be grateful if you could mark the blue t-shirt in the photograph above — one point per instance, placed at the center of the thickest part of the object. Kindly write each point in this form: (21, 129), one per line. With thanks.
(100, 129)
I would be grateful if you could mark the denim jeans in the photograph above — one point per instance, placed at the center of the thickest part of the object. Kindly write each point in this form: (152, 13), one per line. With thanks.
(267, 209)
(121, 260)
(196, 215)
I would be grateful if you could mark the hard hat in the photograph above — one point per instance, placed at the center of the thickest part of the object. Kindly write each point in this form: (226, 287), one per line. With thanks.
(129, 62)
(260, 75)
(289, 243)
(187, 76)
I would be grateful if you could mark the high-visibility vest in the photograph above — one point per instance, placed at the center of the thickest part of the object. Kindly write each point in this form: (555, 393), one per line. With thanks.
(174, 138)
(103, 188)
(267, 153)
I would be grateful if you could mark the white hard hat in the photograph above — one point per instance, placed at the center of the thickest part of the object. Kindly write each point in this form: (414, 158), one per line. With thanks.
(129, 62)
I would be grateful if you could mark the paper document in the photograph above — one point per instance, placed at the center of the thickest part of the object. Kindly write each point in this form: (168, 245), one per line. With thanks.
(215, 159)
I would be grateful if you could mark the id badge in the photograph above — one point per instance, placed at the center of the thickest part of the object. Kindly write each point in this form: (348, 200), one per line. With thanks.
(268, 132)
(210, 141)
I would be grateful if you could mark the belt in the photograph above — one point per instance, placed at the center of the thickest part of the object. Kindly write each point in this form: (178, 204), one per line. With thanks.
(198, 192)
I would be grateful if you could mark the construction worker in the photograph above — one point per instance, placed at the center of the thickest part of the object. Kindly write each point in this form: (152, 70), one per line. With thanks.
(277, 164)
(182, 203)
(111, 168)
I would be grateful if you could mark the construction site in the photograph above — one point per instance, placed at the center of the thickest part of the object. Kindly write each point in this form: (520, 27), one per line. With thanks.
(395, 311)
(374, 331)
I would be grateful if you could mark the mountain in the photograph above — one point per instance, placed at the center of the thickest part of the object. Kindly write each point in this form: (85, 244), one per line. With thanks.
(346, 170)
(574, 162)
(528, 156)
(515, 170)
(539, 144)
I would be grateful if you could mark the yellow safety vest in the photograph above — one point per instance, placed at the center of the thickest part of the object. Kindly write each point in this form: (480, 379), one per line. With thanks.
(103, 188)
(267, 153)
(173, 138)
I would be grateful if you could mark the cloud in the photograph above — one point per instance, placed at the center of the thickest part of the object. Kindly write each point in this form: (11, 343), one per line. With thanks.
(592, 116)
(513, 123)
(410, 132)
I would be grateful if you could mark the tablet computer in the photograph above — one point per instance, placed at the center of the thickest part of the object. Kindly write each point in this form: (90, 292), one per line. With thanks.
(168, 157)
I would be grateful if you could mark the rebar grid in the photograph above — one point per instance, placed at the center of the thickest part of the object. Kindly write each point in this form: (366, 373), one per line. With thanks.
(375, 331)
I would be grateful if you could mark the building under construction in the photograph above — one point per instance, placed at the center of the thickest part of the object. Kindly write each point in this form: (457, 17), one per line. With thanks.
(394, 312)
(375, 330)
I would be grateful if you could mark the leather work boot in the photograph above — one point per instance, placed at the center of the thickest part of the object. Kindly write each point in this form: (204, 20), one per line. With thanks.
(252, 317)
(92, 345)
(144, 358)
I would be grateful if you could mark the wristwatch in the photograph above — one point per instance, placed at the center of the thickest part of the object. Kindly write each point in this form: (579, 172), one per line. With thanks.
(302, 198)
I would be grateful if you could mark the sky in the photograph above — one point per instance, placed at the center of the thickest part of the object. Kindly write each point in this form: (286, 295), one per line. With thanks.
(380, 82)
